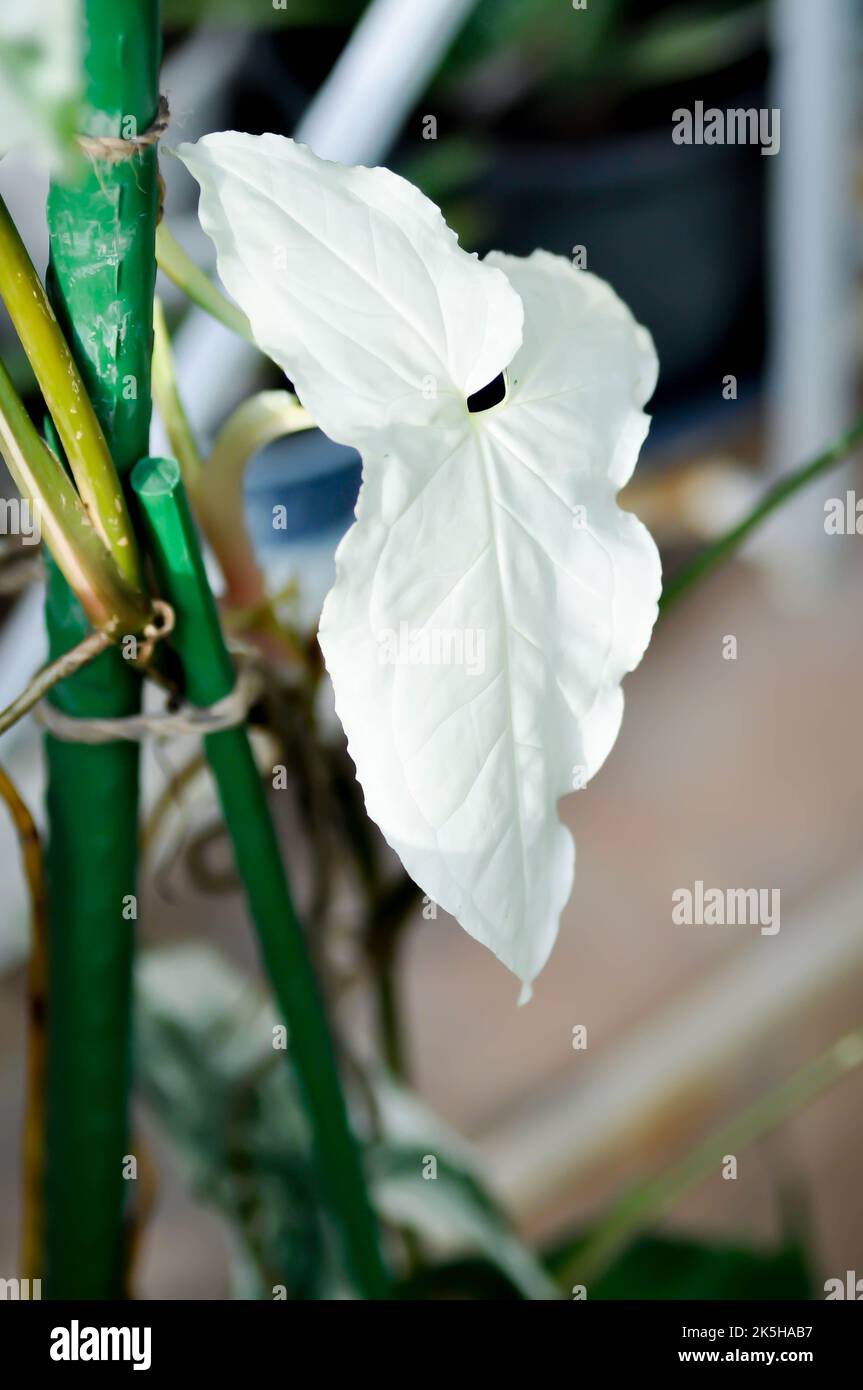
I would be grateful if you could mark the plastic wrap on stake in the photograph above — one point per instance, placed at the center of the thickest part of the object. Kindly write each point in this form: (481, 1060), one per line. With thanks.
(101, 278)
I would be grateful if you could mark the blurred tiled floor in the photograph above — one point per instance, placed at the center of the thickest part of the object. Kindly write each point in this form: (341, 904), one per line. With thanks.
(739, 773)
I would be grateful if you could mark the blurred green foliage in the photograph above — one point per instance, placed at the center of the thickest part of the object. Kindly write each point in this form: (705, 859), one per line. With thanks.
(539, 70)
(680, 1269)
(521, 45)
(258, 14)
(666, 1267)
(208, 1070)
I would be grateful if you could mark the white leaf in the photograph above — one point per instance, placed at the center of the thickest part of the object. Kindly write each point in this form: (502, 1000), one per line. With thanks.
(353, 283)
(41, 75)
(491, 594)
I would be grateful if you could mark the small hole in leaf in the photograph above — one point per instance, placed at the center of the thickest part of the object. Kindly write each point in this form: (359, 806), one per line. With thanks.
(487, 396)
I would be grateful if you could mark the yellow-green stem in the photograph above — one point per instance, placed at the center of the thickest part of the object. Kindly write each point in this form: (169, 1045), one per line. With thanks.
(219, 502)
(167, 399)
(178, 265)
(726, 545)
(111, 603)
(650, 1200)
(60, 381)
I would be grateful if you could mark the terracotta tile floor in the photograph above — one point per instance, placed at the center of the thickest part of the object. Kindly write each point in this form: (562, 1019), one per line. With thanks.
(737, 773)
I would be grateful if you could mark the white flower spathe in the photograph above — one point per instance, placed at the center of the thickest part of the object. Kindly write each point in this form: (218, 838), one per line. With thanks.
(491, 594)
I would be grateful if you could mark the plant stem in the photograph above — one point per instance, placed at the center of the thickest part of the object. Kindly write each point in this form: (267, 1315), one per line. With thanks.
(720, 549)
(650, 1200)
(112, 604)
(210, 677)
(181, 269)
(166, 398)
(61, 385)
(384, 935)
(220, 503)
(101, 281)
(216, 489)
(51, 675)
(389, 1015)
(34, 1123)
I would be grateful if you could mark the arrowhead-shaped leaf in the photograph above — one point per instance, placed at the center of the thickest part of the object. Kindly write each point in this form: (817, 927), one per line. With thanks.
(491, 594)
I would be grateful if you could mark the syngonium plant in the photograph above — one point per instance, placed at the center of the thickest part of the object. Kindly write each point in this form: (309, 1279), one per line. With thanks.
(497, 522)
(489, 597)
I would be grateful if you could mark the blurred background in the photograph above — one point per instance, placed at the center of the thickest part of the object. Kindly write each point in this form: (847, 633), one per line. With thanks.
(543, 123)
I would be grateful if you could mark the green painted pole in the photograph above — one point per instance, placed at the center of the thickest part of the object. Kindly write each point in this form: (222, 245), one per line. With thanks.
(209, 674)
(101, 278)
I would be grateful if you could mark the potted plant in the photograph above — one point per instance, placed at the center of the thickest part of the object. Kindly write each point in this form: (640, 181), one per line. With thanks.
(488, 602)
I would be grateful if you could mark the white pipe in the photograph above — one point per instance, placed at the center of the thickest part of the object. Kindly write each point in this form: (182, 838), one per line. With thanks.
(813, 307)
(359, 110)
(535, 1156)
(354, 118)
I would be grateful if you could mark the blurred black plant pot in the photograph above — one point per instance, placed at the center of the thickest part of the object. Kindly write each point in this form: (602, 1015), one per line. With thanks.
(677, 230)
(315, 481)
(314, 484)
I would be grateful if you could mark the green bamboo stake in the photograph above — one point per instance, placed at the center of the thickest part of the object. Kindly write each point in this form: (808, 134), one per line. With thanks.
(210, 677)
(101, 277)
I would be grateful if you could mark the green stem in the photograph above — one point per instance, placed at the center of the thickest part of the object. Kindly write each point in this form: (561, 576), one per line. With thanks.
(216, 489)
(714, 554)
(179, 267)
(649, 1201)
(210, 677)
(101, 281)
(385, 930)
(392, 1034)
(166, 397)
(60, 382)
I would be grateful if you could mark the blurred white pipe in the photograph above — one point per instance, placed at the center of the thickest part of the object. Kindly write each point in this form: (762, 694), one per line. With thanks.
(536, 1155)
(194, 79)
(214, 370)
(812, 265)
(354, 118)
(358, 112)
